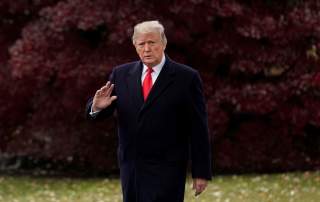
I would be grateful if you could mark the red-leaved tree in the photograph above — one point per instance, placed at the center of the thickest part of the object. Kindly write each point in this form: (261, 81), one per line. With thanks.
(259, 61)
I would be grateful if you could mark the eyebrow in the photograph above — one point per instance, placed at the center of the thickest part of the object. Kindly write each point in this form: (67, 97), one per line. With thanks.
(149, 41)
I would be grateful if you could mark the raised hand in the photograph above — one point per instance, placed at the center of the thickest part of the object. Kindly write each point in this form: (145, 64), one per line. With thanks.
(103, 98)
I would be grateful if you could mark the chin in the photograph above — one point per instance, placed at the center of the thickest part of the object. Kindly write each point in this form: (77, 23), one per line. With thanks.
(148, 62)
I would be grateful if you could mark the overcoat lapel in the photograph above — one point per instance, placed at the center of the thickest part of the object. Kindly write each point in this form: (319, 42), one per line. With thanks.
(134, 85)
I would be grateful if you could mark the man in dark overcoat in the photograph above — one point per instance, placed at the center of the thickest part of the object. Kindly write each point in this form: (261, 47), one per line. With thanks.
(162, 121)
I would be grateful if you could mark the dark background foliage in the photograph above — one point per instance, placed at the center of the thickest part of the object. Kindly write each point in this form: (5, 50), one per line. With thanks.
(259, 62)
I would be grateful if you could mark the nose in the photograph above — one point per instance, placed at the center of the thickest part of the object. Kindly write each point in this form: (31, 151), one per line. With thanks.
(146, 47)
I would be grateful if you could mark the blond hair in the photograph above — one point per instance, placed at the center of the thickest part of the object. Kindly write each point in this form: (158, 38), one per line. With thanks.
(149, 27)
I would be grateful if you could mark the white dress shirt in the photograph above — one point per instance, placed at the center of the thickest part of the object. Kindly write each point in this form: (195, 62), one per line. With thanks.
(155, 73)
(156, 70)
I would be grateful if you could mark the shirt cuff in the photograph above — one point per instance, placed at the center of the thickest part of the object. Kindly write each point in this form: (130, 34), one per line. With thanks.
(93, 114)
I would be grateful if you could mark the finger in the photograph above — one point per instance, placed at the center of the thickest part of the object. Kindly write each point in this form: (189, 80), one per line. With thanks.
(202, 188)
(106, 85)
(98, 92)
(105, 88)
(102, 90)
(109, 90)
(198, 192)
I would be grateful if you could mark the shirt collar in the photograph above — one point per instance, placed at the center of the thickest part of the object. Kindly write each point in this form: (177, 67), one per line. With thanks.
(156, 68)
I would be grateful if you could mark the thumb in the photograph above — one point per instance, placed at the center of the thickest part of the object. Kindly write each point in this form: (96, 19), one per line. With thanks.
(113, 98)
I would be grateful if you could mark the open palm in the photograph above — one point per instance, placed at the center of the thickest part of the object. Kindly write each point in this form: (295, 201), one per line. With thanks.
(103, 98)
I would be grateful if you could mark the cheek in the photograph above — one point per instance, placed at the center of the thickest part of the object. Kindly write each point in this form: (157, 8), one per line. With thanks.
(161, 49)
(139, 53)
(158, 51)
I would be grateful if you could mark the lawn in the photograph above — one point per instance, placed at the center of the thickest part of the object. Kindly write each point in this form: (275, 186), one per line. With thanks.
(295, 187)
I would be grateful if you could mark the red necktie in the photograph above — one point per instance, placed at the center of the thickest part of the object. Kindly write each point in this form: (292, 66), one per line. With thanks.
(147, 83)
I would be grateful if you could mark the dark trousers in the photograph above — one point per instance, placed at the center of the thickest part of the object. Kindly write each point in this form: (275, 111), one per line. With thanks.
(145, 185)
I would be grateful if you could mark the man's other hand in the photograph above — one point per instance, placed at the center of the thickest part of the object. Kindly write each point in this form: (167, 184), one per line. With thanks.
(199, 185)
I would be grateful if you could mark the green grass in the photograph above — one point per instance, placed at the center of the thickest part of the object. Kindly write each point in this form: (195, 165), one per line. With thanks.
(295, 187)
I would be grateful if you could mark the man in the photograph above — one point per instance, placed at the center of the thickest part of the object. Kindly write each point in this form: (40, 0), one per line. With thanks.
(161, 119)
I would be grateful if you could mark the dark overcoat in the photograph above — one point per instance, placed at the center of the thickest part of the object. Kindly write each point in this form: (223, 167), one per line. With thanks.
(157, 136)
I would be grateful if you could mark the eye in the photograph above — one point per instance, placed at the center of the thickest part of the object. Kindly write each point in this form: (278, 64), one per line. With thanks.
(140, 45)
(151, 43)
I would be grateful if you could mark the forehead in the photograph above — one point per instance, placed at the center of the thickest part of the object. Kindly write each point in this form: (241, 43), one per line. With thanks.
(154, 36)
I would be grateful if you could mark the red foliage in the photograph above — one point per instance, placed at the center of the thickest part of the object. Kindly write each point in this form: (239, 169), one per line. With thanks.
(259, 61)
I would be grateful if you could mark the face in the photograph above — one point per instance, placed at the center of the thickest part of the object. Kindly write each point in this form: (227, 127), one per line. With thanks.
(150, 48)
